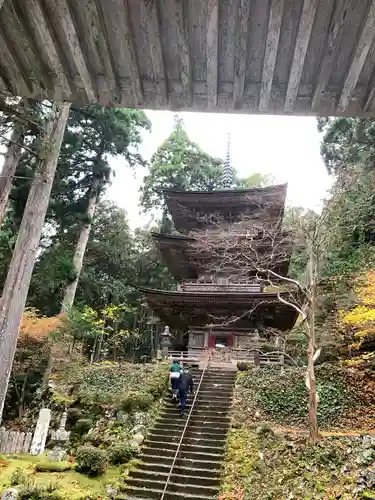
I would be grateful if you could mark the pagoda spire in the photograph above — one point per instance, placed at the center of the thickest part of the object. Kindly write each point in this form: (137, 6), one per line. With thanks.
(228, 173)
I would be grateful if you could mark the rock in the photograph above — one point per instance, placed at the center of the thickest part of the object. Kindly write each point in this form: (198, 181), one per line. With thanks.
(257, 414)
(263, 429)
(10, 494)
(367, 455)
(367, 441)
(58, 454)
(139, 418)
(136, 441)
(138, 429)
(279, 434)
(122, 417)
(112, 491)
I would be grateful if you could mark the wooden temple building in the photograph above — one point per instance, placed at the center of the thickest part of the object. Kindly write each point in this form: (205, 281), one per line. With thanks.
(223, 307)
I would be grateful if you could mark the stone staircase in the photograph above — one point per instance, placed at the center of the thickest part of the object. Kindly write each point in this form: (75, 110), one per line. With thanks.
(196, 473)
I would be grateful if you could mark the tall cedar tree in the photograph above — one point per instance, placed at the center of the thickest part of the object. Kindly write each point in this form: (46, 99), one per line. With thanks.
(94, 135)
(20, 270)
(179, 163)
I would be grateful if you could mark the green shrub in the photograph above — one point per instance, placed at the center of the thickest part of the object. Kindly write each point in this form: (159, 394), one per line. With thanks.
(120, 454)
(18, 477)
(40, 492)
(268, 348)
(82, 426)
(136, 401)
(243, 366)
(53, 466)
(91, 461)
(74, 414)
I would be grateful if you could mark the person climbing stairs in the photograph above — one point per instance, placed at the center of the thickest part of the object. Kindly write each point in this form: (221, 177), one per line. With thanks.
(195, 474)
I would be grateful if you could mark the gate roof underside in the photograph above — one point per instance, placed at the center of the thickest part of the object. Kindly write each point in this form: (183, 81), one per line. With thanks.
(312, 57)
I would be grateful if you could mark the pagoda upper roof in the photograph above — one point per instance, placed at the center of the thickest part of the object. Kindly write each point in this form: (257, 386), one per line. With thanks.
(183, 309)
(186, 262)
(192, 210)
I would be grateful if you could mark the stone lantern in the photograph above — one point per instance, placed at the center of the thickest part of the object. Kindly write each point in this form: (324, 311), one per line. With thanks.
(165, 342)
(60, 440)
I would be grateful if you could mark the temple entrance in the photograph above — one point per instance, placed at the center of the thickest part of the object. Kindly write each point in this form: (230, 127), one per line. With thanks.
(220, 340)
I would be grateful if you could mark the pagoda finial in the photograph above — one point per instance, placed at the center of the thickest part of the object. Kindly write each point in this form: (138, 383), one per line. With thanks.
(228, 174)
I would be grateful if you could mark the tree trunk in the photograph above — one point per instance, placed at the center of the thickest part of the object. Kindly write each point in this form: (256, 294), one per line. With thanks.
(313, 402)
(313, 398)
(12, 158)
(21, 403)
(21, 267)
(71, 288)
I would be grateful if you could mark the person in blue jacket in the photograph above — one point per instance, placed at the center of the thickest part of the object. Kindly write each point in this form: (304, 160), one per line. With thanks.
(185, 385)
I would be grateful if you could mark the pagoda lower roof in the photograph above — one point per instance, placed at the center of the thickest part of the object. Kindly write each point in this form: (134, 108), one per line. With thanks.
(192, 210)
(246, 310)
(185, 261)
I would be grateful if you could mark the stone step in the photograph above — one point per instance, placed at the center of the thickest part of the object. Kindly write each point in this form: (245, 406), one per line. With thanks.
(197, 411)
(174, 486)
(173, 416)
(183, 461)
(192, 430)
(217, 448)
(198, 407)
(213, 474)
(196, 473)
(195, 476)
(193, 433)
(220, 421)
(203, 454)
(209, 405)
(134, 493)
(202, 400)
(220, 379)
(175, 439)
(216, 389)
(212, 396)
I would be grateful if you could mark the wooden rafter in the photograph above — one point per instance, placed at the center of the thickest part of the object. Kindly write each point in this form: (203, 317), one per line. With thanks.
(303, 38)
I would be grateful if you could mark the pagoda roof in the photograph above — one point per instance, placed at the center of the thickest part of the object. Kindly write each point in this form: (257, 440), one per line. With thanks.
(183, 309)
(174, 251)
(192, 210)
(185, 261)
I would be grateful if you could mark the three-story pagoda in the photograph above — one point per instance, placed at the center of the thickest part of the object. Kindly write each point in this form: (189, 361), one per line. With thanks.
(223, 307)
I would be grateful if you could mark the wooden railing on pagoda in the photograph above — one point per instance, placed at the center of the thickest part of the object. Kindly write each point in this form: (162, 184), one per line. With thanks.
(218, 285)
(232, 355)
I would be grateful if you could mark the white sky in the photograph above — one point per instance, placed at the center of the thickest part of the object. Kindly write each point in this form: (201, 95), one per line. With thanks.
(286, 147)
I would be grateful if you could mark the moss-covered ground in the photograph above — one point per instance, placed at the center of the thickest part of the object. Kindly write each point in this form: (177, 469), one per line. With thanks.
(68, 485)
(268, 455)
(105, 404)
(266, 467)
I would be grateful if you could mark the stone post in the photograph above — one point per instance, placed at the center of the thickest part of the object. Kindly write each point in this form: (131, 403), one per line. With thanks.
(206, 339)
(282, 363)
(41, 432)
(257, 360)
